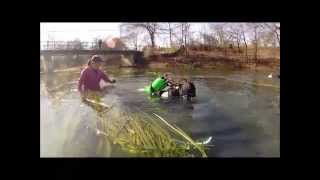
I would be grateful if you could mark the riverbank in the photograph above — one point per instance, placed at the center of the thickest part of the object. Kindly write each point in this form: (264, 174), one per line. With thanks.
(200, 60)
(212, 65)
(266, 59)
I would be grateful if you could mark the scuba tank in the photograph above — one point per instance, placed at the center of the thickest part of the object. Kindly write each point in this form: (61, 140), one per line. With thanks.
(159, 84)
(156, 86)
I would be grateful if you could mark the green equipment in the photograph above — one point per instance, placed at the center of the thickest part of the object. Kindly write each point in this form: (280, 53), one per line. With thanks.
(156, 86)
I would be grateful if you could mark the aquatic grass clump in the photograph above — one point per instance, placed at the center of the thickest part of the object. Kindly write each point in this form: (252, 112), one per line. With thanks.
(144, 135)
(138, 133)
(147, 139)
(143, 139)
(185, 136)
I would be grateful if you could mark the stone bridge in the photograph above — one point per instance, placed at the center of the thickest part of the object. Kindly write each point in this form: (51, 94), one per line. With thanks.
(129, 58)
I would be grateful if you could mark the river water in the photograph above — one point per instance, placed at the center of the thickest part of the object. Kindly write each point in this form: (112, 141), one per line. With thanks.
(240, 110)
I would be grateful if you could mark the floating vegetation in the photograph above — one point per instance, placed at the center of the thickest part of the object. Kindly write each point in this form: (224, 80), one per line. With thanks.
(143, 135)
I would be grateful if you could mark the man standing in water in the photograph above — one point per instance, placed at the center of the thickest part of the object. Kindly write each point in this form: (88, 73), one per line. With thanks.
(91, 76)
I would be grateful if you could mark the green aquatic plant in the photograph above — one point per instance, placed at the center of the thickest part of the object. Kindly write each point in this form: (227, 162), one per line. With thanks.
(184, 135)
(139, 133)
(145, 138)
(143, 135)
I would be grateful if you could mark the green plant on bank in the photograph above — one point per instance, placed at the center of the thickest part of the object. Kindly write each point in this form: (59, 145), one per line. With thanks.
(167, 50)
(144, 135)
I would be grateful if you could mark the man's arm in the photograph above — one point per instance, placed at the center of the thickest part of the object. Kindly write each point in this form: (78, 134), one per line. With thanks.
(106, 78)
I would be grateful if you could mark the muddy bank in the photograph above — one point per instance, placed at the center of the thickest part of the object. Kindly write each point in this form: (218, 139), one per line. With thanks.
(215, 58)
(215, 64)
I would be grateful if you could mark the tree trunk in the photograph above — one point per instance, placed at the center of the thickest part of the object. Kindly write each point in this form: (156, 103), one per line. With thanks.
(225, 48)
(151, 28)
(170, 34)
(246, 52)
(278, 38)
(255, 45)
(256, 53)
(185, 44)
(182, 34)
(152, 40)
(245, 43)
(238, 43)
(136, 43)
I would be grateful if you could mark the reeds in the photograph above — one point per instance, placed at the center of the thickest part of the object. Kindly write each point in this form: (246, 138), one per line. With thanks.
(144, 135)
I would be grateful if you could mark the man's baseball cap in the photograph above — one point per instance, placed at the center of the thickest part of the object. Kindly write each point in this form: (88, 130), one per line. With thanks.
(96, 58)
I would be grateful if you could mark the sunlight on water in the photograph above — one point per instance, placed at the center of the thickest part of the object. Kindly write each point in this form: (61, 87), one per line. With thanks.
(140, 89)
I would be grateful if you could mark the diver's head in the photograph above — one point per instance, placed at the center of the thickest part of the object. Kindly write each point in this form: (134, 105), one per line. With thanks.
(184, 80)
(166, 75)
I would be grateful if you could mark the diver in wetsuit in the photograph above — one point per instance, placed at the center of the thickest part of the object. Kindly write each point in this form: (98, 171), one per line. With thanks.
(187, 89)
(165, 83)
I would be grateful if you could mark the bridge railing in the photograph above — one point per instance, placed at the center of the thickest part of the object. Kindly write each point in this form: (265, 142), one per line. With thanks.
(74, 45)
(69, 45)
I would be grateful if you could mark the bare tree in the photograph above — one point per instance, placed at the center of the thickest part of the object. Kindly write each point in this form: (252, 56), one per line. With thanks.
(244, 39)
(167, 29)
(135, 36)
(185, 35)
(257, 30)
(255, 42)
(208, 38)
(219, 33)
(277, 32)
(151, 28)
(274, 29)
(131, 39)
(184, 32)
(170, 33)
(174, 31)
(186, 28)
(235, 34)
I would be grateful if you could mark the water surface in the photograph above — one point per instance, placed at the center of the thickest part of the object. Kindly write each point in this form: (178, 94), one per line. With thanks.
(239, 109)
